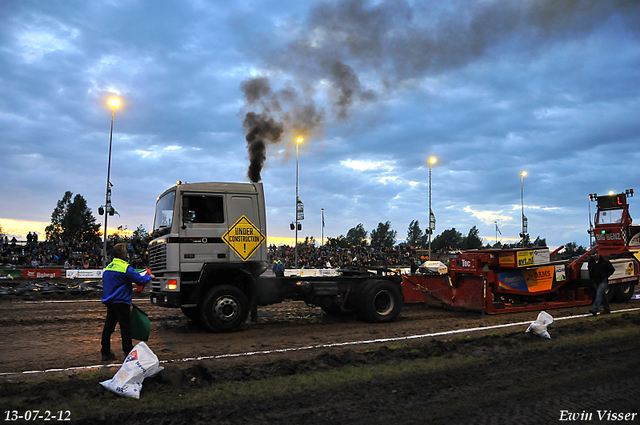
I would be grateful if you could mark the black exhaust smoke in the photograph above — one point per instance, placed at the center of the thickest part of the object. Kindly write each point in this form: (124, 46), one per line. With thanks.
(282, 112)
(261, 130)
(349, 53)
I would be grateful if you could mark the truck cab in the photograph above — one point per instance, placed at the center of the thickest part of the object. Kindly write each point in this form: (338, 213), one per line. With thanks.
(205, 234)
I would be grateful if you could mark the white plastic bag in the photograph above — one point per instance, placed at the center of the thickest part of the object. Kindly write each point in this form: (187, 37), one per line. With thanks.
(539, 327)
(139, 364)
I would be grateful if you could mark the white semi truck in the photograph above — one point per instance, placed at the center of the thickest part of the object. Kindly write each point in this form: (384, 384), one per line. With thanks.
(209, 252)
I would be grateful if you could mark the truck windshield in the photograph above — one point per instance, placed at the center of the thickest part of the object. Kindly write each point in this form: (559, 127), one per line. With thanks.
(164, 214)
(609, 216)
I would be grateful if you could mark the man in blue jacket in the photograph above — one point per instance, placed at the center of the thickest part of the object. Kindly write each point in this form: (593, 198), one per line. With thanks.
(278, 268)
(117, 292)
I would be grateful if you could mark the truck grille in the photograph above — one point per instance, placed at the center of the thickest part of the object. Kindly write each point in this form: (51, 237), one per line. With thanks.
(157, 257)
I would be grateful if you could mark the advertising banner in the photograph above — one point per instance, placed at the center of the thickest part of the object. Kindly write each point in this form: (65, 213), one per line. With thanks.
(40, 273)
(299, 210)
(541, 257)
(507, 259)
(530, 280)
(84, 274)
(10, 273)
(623, 268)
(525, 258)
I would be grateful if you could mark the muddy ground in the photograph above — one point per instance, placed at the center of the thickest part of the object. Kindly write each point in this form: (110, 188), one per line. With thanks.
(49, 356)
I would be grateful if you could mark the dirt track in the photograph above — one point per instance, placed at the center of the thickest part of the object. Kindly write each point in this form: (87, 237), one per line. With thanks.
(38, 336)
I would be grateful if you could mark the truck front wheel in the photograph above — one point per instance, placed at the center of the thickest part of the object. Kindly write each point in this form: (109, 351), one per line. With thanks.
(225, 309)
(379, 301)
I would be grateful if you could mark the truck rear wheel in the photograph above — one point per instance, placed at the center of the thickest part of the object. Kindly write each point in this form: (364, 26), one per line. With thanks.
(225, 309)
(379, 301)
(623, 291)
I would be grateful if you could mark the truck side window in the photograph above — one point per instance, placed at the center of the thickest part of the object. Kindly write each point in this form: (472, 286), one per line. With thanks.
(203, 209)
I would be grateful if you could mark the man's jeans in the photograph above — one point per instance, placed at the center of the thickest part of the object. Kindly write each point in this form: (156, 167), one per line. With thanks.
(117, 313)
(601, 297)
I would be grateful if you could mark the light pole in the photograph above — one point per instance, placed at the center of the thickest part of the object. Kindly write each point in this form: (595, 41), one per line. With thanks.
(113, 102)
(432, 224)
(524, 219)
(322, 212)
(298, 141)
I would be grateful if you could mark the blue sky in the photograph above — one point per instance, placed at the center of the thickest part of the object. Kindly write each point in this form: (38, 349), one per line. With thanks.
(489, 88)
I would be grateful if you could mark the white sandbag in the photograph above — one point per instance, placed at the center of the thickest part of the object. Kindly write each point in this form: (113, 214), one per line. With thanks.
(139, 364)
(539, 327)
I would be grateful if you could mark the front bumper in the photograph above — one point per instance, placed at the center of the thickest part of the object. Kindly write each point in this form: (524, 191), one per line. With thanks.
(166, 299)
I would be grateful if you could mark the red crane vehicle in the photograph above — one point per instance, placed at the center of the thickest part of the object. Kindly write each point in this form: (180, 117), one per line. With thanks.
(526, 279)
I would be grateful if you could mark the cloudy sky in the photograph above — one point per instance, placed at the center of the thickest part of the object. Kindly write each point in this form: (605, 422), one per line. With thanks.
(490, 88)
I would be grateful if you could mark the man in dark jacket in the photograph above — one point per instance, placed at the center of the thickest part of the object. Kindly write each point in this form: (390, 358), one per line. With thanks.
(599, 271)
(278, 268)
(118, 279)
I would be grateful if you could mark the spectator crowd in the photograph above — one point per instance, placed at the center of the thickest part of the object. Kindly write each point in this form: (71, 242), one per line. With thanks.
(88, 255)
(314, 257)
(59, 254)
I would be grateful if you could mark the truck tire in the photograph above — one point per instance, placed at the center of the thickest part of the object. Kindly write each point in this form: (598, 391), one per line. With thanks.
(225, 309)
(379, 301)
(611, 290)
(624, 291)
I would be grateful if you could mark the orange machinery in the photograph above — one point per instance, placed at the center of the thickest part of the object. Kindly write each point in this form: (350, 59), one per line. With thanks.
(525, 279)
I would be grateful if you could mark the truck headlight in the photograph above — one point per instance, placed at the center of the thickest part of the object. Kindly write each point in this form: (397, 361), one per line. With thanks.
(170, 284)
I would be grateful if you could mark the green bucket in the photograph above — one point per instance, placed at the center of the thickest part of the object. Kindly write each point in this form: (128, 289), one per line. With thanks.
(140, 324)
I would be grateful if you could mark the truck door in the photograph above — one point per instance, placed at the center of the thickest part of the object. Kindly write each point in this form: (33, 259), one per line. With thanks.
(203, 224)
(244, 205)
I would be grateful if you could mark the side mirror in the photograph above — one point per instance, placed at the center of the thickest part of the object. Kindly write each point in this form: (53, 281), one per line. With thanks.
(188, 216)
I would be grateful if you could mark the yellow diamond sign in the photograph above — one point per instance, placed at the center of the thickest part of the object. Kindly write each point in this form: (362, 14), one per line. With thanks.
(244, 238)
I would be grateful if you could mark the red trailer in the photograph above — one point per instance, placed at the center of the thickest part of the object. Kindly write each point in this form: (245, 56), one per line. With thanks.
(525, 279)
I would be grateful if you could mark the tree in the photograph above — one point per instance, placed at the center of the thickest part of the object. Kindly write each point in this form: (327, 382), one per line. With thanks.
(357, 236)
(383, 236)
(472, 241)
(572, 249)
(55, 229)
(540, 242)
(525, 242)
(309, 241)
(119, 236)
(2, 234)
(449, 239)
(415, 237)
(72, 221)
(140, 234)
(339, 242)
